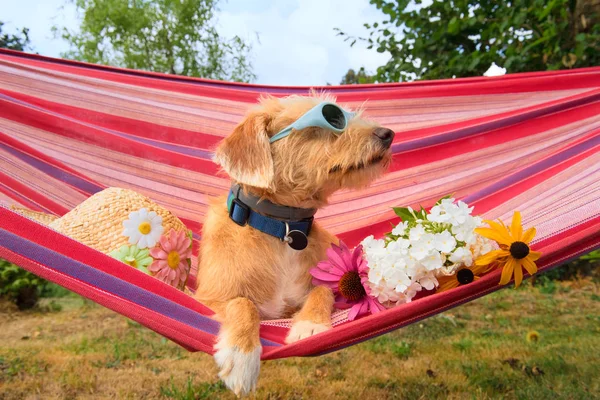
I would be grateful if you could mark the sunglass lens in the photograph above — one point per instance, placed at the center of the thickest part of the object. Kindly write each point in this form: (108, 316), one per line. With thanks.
(334, 116)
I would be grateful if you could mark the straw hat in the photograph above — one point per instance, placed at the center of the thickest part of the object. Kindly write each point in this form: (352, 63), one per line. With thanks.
(130, 227)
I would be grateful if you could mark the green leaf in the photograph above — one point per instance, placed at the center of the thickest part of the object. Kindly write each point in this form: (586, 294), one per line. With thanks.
(474, 63)
(404, 213)
(453, 26)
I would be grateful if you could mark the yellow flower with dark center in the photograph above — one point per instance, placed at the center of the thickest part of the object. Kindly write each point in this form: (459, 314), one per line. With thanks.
(514, 253)
(533, 336)
(463, 276)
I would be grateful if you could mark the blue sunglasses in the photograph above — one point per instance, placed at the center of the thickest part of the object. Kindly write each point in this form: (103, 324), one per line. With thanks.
(324, 115)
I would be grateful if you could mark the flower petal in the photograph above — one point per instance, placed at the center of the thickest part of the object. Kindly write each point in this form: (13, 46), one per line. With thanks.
(324, 275)
(529, 265)
(173, 274)
(374, 305)
(154, 267)
(150, 240)
(336, 259)
(185, 244)
(354, 311)
(500, 227)
(327, 266)
(528, 235)
(142, 242)
(516, 229)
(534, 255)
(331, 285)
(494, 234)
(158, 253)
(507, 271)
(518, 273)
(491, 256)
(145, 261)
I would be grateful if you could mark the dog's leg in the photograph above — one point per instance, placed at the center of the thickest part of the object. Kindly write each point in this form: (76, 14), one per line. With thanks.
(315, 315)
(238, 347)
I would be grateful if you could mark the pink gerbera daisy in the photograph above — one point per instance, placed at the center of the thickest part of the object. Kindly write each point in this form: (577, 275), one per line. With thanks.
(171, 258)
(345, 272)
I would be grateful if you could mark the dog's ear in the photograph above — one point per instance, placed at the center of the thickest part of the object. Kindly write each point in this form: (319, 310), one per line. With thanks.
(246, 154)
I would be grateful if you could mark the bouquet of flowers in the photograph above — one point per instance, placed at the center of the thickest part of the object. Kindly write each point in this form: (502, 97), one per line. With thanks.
(439, 249)
(421, 248)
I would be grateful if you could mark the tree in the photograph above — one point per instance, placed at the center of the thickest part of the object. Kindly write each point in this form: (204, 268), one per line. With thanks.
(352, 77)
(19, 42)
(463, 37)
(170, 36)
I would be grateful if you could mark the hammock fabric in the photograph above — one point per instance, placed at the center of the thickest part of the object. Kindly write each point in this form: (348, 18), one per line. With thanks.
(67, 130)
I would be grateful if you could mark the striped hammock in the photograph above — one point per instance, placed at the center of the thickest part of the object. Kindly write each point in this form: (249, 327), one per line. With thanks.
(67, 130)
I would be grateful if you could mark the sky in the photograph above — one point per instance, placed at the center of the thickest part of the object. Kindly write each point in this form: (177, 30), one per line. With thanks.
(294, 42)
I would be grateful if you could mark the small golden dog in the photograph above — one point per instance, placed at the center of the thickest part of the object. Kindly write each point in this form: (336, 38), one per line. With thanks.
(246, 275)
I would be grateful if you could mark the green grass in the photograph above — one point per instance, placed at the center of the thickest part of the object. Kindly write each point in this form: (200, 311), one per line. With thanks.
(477, 351)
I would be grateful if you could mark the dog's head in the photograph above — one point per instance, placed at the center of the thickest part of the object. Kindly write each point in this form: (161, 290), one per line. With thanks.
(304, 168)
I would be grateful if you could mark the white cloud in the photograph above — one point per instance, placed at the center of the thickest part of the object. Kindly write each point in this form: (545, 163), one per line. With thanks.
(296, 45)
(297, 42)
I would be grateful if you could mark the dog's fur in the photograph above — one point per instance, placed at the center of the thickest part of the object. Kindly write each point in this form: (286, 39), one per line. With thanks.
(246, 275)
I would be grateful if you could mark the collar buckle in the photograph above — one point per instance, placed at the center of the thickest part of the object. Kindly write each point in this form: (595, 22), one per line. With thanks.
(239, 212)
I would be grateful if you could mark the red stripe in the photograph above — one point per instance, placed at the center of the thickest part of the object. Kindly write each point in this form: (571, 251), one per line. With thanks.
(487, 203)
(137, 127)
(20, 198)
(49, 61)
(20, 146)
(524, 112)
(87, 134)
(513, 83)
(475, 143)
(43, 202)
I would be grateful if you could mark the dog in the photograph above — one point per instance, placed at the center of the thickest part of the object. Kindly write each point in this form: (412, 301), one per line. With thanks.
(245, 274)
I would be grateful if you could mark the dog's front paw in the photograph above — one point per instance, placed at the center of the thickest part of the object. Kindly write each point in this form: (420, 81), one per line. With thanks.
(303, 329)
(238, 369)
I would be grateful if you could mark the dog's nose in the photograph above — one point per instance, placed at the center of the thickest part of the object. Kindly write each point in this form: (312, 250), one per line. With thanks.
(385, 135)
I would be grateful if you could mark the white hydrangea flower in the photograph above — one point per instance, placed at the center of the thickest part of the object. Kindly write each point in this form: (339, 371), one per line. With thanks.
(462, 255)
(433, 260)
(402, 283)
(400, 229)
(416, 233)
(423, 249)
(428, 281)
(444, 242)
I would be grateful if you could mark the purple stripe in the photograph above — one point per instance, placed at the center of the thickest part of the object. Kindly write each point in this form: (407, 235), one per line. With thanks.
(489, 126)
(111, 284)
(190, 151)
(53, 171)
(534, 169)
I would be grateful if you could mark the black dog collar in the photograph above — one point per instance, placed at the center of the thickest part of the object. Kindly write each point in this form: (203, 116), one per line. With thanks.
(289, 224)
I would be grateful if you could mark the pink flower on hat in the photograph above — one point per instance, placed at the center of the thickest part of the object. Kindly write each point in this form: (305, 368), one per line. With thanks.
(171, 258)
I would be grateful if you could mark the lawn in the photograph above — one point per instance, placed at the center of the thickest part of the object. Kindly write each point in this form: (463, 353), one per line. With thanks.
(72, 348)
